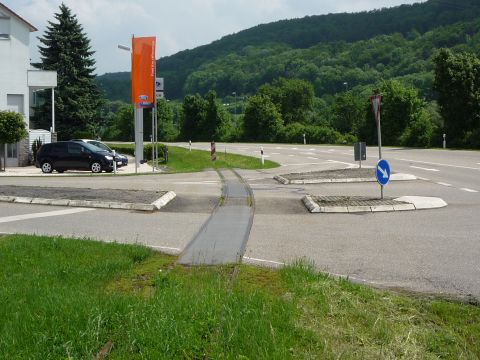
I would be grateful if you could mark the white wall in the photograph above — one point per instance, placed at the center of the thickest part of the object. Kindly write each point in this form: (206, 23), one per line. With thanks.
(14, 63)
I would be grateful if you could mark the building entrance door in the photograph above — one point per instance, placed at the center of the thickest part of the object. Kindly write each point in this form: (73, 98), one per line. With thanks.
(15, 102)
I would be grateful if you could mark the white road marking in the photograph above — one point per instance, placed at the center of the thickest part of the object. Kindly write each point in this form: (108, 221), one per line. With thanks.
(264, 261)
(422, 178)
(469, 190)
(421, 168)
(349, 154)
(320, 163)
(279, 148)
(443, 183)
(275, 153)
(312, 149)
(43, 214)
(341, 162)
(164, 247)
(291, 155)
(209, 182)
(307, 153)
(439, 164)
(312, 158)
(294, 149)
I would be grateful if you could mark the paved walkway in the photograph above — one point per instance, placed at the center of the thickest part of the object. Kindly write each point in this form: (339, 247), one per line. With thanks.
(222, 239)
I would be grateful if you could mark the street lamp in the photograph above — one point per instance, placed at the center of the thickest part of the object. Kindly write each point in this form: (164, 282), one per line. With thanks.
(235, 109)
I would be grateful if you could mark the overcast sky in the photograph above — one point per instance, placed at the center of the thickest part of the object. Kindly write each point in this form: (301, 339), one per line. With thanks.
(177, 24)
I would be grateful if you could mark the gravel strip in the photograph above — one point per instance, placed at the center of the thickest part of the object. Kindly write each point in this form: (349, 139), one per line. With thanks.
(110, 195)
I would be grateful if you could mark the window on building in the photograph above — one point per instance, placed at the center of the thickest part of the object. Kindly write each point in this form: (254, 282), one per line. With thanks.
(4, 26)
(11, 150)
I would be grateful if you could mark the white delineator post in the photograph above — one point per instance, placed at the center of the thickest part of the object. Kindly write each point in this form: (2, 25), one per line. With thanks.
(262, 156)
(114, 161)
(444, 141)
(304, 139)
(190, 145)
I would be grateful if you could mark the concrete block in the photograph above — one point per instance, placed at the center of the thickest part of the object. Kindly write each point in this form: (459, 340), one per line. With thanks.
(334, 209)
(311, 205)
(41, 201)
(281, 179)
(164, 199)
(356, 209)
(22, 200)
(382, 208)
(403, 207)
(60, 202)
(423, 202)
(143, 207)
(122, 206)
(78, 203)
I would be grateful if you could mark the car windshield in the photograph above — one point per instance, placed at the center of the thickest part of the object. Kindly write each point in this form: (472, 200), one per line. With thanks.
(92, 147)
(100, 145)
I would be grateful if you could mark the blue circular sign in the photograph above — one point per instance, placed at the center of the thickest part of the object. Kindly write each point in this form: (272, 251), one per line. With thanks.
(382, 172)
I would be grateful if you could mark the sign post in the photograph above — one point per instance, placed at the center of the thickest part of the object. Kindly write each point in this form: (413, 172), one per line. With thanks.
(376, 105)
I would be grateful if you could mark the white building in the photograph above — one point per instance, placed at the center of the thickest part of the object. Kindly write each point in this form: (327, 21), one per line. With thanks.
(17, 79)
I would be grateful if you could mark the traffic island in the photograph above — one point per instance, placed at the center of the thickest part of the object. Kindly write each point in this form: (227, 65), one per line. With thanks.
(93, 198)
(347, 175)
(356, 204)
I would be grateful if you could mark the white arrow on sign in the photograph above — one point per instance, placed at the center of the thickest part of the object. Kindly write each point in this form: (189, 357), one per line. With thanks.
(384, 172)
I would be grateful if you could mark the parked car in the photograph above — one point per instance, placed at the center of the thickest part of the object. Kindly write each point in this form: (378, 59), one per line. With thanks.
(121, 159)
(72, 155)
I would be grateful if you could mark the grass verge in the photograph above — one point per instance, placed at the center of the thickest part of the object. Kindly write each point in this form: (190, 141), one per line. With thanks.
(181, 160)
(64, 298)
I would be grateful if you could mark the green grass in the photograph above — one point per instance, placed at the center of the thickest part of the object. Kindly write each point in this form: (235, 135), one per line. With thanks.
(181, 160)
(66, 299)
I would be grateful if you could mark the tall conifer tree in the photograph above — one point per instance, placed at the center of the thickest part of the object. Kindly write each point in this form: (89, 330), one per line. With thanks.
(66, 49)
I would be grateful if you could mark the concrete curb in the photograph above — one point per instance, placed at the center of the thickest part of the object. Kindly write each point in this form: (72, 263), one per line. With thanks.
(281, 179)
(405, 203)
(164, 199)
(393, 177)
(156, 205)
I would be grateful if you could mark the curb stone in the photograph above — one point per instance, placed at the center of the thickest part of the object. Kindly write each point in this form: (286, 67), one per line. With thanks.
(394, 177)
(156, 205)
(405, 203)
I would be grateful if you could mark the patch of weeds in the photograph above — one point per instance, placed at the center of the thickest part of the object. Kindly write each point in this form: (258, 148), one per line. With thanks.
(144, 277)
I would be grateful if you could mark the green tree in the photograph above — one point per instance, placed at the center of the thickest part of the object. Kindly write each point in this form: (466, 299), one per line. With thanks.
(457, 81)
(66, 49)
(166, 129)
(12, 129)
(401, 107)
(193, 116)
(293, 98)
(262, 120)
(348, 109)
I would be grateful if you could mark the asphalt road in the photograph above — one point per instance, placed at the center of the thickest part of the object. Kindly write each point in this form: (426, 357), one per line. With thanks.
(434, 251)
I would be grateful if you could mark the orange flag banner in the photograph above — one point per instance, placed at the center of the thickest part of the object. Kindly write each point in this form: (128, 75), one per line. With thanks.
(143, 71)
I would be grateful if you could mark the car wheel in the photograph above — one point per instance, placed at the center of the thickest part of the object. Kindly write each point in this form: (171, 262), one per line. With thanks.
(47, 167)
(96, 167)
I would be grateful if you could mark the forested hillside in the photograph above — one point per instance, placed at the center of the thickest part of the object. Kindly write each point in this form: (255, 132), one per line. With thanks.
(327, 50)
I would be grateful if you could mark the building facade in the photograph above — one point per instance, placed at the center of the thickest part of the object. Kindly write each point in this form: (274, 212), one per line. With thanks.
(17, 78)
